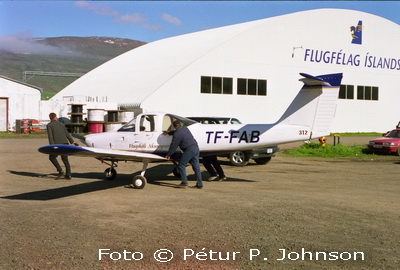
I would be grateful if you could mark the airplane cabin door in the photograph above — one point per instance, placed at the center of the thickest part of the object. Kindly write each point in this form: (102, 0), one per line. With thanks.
(147, 129)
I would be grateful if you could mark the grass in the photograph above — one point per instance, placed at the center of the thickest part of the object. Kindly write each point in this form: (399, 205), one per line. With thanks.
(329, 151)
(14, 135)
(353, 134)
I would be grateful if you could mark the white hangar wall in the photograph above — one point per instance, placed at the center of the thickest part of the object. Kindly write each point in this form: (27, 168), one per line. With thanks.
(17, 101)
(166, 75)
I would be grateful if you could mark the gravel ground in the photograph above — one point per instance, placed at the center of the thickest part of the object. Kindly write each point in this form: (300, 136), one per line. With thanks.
(276, 216)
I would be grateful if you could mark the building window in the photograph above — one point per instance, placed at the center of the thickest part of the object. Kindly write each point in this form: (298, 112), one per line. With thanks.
(346, 91)
(216, 85)
(367, 92)
(251, 87)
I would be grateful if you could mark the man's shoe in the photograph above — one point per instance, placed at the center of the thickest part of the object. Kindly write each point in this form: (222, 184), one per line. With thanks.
(68, 177)
(60, 175)
(212, 178)
(222, 178)
(182, 185)
(198, 187)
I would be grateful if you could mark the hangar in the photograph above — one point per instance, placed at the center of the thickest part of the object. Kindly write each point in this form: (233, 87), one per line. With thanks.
(18, 100)
(250, 70)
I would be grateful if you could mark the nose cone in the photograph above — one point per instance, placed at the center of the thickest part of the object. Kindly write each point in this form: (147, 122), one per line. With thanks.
(89, 140)
(100, 140)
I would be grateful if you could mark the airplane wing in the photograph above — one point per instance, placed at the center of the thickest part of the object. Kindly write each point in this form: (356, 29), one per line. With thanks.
(105, 154)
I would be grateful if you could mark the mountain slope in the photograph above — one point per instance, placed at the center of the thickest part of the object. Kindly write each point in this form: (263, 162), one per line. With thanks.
(61, 54)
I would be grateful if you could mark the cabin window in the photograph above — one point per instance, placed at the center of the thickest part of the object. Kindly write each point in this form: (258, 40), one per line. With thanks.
(167, 123)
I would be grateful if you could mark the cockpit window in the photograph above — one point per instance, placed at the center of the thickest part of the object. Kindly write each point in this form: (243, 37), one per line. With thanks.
(148, 123)
(169, 119)
(130, 126)
(185, 121)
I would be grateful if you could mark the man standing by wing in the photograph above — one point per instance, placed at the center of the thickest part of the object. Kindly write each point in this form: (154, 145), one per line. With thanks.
(58, 134)
(184, 139)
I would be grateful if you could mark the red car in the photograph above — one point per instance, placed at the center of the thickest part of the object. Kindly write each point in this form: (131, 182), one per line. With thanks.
(389, 143)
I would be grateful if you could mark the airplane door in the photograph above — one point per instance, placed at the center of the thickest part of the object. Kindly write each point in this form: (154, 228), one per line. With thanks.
(147, 131)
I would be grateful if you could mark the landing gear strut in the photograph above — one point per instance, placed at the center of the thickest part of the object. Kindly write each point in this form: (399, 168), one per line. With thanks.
(139, 181)
(110, 173)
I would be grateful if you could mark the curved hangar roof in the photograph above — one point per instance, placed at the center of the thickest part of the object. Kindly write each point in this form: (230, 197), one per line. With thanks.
(134, 76)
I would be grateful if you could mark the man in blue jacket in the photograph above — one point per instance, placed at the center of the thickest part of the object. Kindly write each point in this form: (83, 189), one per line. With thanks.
(58, 134)
(184, 139)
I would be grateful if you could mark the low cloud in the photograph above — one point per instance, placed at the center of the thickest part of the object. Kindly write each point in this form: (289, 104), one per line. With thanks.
(23, 43)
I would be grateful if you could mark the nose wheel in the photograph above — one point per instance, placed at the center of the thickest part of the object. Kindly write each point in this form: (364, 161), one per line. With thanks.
(110, 174)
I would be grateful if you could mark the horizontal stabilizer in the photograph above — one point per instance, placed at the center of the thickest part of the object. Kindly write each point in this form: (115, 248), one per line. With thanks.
(323, 80)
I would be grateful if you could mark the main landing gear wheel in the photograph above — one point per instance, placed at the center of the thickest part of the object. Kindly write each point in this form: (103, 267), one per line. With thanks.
(110, 174)
(139, 181)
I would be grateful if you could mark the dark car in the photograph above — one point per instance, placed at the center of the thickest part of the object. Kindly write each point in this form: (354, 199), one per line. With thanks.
(241, 158)
(388, 144)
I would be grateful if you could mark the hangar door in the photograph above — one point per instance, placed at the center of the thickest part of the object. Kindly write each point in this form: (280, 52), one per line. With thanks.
(3, 114)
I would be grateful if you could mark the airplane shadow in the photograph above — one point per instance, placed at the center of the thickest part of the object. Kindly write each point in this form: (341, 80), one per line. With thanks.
(92, 175)
(160, 171)
(152, 174)
(61, 192)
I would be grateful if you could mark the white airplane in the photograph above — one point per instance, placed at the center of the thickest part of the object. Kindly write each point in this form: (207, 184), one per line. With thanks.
(309, 116)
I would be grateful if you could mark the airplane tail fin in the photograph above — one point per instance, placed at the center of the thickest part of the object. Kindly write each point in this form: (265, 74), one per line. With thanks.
(314, 106)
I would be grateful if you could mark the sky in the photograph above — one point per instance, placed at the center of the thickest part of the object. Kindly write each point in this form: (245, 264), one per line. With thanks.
(149, 21)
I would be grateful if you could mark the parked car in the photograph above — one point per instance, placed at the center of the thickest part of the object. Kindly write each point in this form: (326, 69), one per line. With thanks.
(388, 144)
(215, 120)
(241, 158)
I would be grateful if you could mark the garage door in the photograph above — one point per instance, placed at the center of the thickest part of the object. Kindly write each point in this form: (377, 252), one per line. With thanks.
(3, 114)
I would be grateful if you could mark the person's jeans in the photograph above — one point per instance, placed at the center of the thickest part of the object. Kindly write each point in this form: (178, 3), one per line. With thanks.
(191, 155)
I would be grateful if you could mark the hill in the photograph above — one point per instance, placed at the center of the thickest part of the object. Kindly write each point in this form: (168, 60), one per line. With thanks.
(59, 54)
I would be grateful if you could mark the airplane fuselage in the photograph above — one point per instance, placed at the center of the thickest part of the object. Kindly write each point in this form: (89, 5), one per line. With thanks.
(148, 137)
(212, 139)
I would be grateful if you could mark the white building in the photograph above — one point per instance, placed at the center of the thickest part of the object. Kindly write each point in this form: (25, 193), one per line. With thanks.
(251, 70)
(18, 100)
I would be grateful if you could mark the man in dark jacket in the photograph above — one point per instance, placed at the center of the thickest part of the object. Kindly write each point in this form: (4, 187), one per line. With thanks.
(58, 134)
(184, 139)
